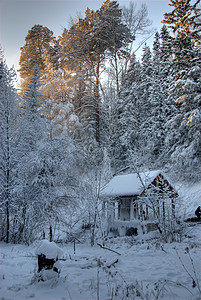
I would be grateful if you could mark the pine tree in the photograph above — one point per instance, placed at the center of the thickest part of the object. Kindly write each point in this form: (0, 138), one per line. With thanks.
(8, 113)
(39, 42)
(184, 21)
(145, 109)
(156, 114)
(113, 34)
(161, 108)
(170, 108)
(127, 114)
(79, 59)
(101, 34)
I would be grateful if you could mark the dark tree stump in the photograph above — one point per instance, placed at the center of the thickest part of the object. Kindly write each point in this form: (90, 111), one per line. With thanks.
(46, 263)
(49, 255)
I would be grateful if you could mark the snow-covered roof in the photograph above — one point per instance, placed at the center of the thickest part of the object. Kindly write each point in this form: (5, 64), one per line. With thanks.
(129, 184)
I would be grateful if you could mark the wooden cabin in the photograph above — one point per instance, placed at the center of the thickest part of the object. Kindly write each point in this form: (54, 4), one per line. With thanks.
(138, 196)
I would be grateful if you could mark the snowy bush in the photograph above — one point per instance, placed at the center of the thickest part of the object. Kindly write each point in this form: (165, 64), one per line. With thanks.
(48, 265)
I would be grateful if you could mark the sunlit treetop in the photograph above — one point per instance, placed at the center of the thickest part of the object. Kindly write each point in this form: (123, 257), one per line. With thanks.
(183, 20)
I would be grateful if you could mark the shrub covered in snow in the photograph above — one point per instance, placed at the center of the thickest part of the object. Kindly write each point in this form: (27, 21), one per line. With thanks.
(48, 265)
(49, 249)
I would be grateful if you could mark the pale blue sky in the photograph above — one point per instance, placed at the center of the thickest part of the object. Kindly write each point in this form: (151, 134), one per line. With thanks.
(18, 16)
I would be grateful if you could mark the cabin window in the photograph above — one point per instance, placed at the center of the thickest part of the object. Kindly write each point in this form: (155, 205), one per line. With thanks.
(124, 209)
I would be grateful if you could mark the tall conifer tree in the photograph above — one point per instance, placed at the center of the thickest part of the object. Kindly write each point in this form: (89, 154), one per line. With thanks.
(8, 114)
(184, 22)
(39, 43)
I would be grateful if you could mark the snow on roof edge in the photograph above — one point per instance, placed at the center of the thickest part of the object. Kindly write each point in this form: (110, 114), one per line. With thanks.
(129, 184)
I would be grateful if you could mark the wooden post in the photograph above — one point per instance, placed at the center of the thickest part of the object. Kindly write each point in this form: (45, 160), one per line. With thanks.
(119, 209)
(50, 233)
(131, 210)
(135, 210)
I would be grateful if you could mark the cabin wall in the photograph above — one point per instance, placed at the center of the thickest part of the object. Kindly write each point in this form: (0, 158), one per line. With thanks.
(130, 228)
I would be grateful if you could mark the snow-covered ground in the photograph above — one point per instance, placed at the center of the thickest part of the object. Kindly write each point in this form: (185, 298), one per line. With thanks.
(146, 269)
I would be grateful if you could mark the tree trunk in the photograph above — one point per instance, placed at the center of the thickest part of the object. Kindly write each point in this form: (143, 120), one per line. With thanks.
(7, 222)
(79, 92)
(94, 225)
(116, 72)
(7, 180)
(51, 204)
(97, 102)
(23, 225)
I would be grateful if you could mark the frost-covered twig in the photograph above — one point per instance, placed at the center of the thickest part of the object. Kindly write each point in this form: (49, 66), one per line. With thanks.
(108, 249)
(195, 274)
(181, 285)
(184, 265)
(195, 281)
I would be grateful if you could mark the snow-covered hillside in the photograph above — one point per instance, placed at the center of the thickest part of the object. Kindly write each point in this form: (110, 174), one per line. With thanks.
(190, 195)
